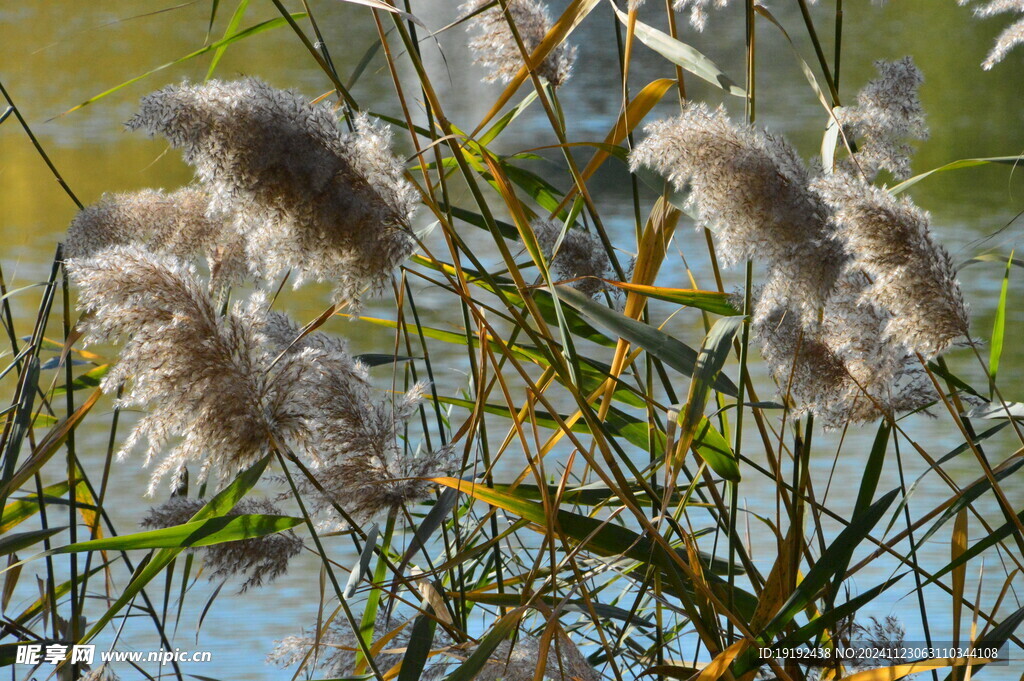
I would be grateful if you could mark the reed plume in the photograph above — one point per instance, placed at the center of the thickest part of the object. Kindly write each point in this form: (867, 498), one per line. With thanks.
(1011, 36)
(579, 257)
(258, 559)
(304, 196)
(333, 649)
(842, 370)
(518, 661)
(752, 189)
(888, 111)
(912, 277)
(699, 10)
(204, 376)
(362, 466)
(171, 223)
(495, 48)
(353, 436)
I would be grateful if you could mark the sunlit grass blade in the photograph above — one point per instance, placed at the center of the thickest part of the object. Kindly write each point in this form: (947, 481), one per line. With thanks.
(199, 533)
(714, 351)
(999, 325)
(669, 350)
(683, 55)
(714, 302)
(224, 42)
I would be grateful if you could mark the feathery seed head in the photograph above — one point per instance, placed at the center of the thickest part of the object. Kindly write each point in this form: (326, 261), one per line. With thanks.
(363, 468)
(174, 223)
(580, 256)
(495, 47)
(888, 111)
(699, 10)
(1012, 36)
(751, 188)
(259, 559)
(913, 278)
(334, 648)
(519, 661)
(302, 195)
(842, 370)
(204, 376)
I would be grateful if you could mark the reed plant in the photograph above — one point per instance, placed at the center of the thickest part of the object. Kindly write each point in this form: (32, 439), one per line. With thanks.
(563, 496)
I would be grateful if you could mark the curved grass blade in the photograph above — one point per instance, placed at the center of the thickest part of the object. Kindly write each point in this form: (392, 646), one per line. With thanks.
(217, 530)
(90, 379)
(421, 638)
(683, 55)
(999, 325)
(838, 553)
(468, 670)
(713, 352)
(363, 565)
(223, 502)
(224, 42)
(955, 165)
(606, 539)
(672, 352)
(16, 542)
(714, 302)
(999, 635)
(20, 510)
(233, 23)
(578, 605)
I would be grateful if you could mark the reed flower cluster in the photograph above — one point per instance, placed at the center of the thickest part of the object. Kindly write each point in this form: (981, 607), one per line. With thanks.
(518, 661)
(207, 382)
(699, 10)
(912, 277)
(279, 187)
(169, 223)
(495, 47)
(579, 257)
(857, 289)
(752, 189)
(333, 649)
(258, 559)
(231, 388)
(1011, 36)
(298, 192)
(888, 112)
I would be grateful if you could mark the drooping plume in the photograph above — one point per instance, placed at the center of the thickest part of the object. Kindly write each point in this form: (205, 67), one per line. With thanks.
(258, 560)
(495, 47)
(843, 370)
(172, 223)
(699, 9)
(204, 377)
(353, 436)
(580, 256)
(334, 648)
(912, 277)
(752, 189)
(888, 112)
(363, 466)
(304, 196)
(1012, 36)
(519, 661)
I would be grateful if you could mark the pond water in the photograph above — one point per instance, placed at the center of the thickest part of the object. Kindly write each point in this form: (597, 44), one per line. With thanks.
(56, 54)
